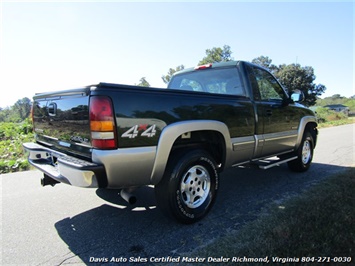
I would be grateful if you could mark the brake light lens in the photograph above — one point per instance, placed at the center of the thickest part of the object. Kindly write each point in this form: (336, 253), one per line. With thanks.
(102, 123)
(32, 116)
(203, 66)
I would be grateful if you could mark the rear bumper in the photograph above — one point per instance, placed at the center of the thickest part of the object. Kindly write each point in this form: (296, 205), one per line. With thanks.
(66, 169)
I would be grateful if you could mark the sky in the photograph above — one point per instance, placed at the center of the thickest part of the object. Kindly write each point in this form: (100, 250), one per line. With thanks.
(48, 45)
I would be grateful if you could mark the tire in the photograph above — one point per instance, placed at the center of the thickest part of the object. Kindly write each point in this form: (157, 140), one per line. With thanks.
(304, 154)
(189, 186)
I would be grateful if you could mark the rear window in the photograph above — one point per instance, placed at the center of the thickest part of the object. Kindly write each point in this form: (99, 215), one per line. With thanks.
(220, 80)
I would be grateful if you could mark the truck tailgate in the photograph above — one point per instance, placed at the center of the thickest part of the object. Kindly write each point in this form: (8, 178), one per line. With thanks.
(61, 121)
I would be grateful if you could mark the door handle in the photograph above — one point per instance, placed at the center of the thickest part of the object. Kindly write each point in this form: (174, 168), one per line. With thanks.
(269, 112)
(52, 109)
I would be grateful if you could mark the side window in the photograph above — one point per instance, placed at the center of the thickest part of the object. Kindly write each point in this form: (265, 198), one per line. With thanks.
(268, 86)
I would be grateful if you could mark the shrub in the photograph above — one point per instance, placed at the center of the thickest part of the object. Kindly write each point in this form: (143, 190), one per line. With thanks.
(326, 115)
(12, 135)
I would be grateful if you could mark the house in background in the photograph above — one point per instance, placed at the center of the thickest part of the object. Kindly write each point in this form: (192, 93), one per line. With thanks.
(338, 108)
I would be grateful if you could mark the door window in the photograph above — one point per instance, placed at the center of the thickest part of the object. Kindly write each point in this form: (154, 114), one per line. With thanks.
(269, 88)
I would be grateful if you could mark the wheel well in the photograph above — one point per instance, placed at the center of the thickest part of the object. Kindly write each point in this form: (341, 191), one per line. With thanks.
(312, 128)
(209, 140)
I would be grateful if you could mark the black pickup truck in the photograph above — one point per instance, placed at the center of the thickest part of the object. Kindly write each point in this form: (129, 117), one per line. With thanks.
(178, 139)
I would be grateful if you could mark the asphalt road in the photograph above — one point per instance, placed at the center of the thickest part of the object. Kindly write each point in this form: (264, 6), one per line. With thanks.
(68, 225)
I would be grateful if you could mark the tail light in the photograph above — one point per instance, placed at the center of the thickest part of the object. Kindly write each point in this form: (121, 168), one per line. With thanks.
(102, 123)
(32, 113)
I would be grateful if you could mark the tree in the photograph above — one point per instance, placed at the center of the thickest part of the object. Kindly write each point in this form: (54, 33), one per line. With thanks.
(4, 114)
(214, 55)
(143, 82)
(23, 108)
(265, 62)
(17, 112)
(166, 78)
(338, 99)
(217, 54)
(294, 77)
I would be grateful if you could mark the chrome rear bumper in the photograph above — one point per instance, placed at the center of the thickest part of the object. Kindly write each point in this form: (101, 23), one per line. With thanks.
(66, 169)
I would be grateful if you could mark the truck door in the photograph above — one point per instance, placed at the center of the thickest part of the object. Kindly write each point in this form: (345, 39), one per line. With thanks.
(278, 121)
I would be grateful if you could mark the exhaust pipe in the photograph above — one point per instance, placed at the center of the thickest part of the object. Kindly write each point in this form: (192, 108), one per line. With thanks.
(47, 180)
(127, 196)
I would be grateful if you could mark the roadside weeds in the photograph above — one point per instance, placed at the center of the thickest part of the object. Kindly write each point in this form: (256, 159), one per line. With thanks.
(349, 120)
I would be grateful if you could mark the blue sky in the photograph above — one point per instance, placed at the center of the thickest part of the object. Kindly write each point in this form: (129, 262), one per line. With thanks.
(48, 45)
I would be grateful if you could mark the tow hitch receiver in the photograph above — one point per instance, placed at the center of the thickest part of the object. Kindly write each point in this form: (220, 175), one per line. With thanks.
(47, 180)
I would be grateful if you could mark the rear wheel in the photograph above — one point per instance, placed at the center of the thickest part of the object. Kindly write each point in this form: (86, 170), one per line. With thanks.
(304, 154)
(189, 186)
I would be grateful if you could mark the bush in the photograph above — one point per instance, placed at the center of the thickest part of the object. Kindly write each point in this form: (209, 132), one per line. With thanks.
(326, 115)
(12, 135)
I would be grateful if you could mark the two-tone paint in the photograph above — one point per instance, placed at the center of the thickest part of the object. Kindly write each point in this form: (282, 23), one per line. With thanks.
(152, 122)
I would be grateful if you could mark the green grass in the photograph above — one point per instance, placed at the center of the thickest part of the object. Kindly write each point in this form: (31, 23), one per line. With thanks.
(340, 122)
(12, 135)
(318, 223)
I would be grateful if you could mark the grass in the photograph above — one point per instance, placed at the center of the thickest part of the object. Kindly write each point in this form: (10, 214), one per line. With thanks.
(318, 223)
(340, 122)
(12, 135)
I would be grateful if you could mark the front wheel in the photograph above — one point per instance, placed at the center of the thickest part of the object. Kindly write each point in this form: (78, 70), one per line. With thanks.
(189, 186)
(304, 154)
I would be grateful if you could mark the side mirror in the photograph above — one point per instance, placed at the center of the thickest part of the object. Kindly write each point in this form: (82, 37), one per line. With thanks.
(297, 96)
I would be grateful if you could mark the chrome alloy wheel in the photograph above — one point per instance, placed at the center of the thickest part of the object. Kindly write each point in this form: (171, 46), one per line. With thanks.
(306, 151)
(195, 186)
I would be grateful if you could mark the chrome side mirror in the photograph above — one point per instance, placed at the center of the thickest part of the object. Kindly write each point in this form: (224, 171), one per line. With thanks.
(297, 96)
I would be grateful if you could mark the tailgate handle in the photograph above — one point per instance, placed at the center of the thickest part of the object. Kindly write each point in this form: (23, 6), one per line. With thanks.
(52, 109)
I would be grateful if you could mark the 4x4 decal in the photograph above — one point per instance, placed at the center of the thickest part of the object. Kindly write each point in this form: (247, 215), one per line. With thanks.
(135, 131)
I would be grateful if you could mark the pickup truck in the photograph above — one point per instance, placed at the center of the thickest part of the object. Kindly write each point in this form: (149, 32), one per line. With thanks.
(178, 139)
